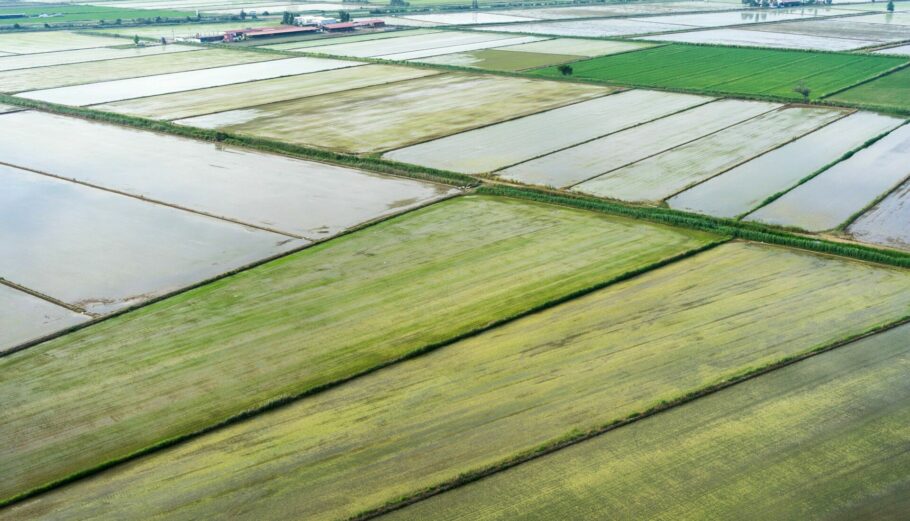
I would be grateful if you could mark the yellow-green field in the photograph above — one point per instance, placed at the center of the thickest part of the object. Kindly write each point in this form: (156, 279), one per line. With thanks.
(383, 117)
(573, 367)
(823, 439)
(324, 314)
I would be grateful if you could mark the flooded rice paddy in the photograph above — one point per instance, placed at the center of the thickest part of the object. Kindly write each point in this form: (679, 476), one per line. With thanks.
(663, 175)
(28, 61)
(832, 197)
(106, 92)
(887, 223)
(406, 44)
(588, 160)
(198, 102)
(101, 251)
(498, 146)
(289, 196)
(742, 189)
(441, 51)
(24, 317)
(753, 38)
(91, 72)
(577, 47)
(396, 115)
(53, 41)
(590, 28)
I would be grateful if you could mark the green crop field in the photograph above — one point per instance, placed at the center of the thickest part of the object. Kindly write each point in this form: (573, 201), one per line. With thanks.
(574, 367)
(823, 439)
(891, 91)
(732, 70)
(323, 314)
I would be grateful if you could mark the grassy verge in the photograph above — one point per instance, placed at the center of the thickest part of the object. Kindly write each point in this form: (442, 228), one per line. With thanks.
(266, 145)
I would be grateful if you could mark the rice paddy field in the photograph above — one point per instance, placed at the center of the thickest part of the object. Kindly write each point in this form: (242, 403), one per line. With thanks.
(749, 38)
(419, 46)
(38, 42)
(744, 188)
(69, 14)
(733, 70)
(26, 317)
(572, 367)
(395, 115)
(329, 40)
(887, 92)
(177, 223)
(237, 350)
(199, 78)
(524, 56)
(900, 50)
(185, 30)
(58, 76)
(591, 28)
(29, 61)
(500, 59)
(668, 173)
(497, 146)
(833, 417)
(886, 223)
(576, 164)
(198, 102)
(64, 243)
(632, 260)
(832, 197)
(850, 28)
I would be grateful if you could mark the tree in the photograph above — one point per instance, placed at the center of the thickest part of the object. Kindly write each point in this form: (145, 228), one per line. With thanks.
(803, 90)
(890, 6)
(242, 14)
(136, 39)
(344, 16)
(287, 18)
(565, 70)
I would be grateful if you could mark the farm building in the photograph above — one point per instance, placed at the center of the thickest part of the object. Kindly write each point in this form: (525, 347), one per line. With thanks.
(235, 35)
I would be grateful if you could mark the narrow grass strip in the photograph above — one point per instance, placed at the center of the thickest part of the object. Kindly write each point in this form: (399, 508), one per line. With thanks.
(286, 400)
(725, 227)
(576, 437)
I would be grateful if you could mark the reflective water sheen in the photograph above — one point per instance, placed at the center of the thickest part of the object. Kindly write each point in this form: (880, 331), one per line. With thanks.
(101, 251)
(24, 317)
(888, 223)
(833, 196)
(745, 187)
(302, 198)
